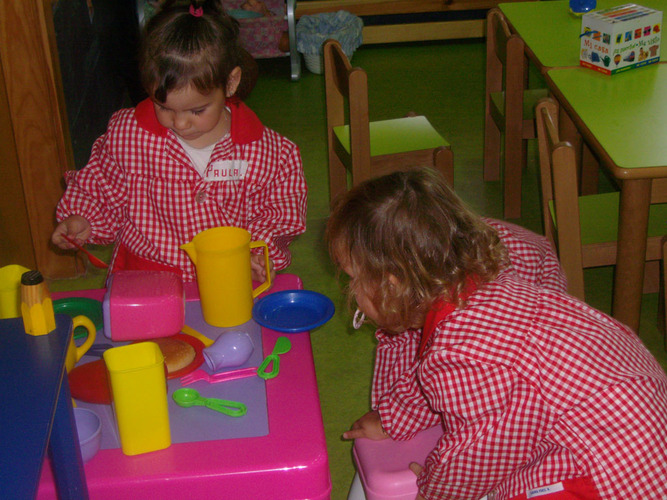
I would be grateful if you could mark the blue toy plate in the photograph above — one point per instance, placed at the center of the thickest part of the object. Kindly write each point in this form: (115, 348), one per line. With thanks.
(293, 311)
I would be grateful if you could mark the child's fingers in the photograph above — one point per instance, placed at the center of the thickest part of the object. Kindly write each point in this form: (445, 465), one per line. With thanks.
(58, 239)
(353, 434)
(416, 468)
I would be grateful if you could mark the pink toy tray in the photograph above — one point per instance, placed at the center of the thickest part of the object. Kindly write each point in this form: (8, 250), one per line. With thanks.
(281, 464)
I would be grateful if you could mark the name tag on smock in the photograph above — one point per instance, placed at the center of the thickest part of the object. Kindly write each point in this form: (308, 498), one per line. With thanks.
(226, 170)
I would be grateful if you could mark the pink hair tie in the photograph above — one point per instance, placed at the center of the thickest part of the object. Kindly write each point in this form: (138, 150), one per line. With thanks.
(198, 12)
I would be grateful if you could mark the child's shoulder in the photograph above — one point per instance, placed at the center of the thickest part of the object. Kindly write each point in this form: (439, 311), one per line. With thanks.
(506, 304)
(129, 122)
(122, 117)
(512, 302)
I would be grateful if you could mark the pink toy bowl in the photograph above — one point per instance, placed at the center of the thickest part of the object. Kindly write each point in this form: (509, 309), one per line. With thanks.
(141, 305)
(89, 429)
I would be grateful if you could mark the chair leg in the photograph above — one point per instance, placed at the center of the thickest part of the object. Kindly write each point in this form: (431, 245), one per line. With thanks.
(295, 57)
(443, 161)
(513, 174)
(494, 83)
(492, 138)
(337, 177)
(589, 172)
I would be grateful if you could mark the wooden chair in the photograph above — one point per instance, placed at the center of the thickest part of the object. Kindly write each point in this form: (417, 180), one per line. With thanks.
(369, 149)
(509, 109)
(584, 229)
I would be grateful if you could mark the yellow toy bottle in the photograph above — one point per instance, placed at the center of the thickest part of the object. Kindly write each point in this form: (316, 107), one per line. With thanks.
(139, 390)
(36, 305)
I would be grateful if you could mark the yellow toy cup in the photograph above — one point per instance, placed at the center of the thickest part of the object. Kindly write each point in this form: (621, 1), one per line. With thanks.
(10, 290)
(221, 256)
(139, 389)
(74, 353)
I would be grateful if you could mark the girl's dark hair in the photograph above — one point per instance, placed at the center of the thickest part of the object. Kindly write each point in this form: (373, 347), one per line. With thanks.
(413, 227)
(179, 48)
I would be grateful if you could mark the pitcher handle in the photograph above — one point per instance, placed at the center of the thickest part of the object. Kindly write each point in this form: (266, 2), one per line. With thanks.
(264, 286)
(88, 325)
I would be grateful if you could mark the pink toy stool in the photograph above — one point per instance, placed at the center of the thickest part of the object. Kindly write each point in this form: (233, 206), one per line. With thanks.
(384, 466)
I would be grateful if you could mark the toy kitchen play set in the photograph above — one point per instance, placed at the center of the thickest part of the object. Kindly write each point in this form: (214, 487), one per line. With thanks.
(182, 390)
(620, 38)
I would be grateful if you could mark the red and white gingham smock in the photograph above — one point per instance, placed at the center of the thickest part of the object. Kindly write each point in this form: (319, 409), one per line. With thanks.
(531, 255)
(534, 387)
(532, 258)
(141, 190)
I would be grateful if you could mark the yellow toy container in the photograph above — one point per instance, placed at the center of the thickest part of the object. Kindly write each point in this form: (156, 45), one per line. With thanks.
(139, 390)
(10, 290)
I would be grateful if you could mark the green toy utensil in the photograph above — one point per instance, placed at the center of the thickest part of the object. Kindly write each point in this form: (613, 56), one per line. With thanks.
(282, 346)
(189, 397)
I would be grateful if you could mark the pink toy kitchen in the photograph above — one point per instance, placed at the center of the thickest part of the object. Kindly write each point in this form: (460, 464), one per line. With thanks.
(160, 392)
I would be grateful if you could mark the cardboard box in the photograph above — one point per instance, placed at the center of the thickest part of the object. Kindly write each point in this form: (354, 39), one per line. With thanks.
(620, 38)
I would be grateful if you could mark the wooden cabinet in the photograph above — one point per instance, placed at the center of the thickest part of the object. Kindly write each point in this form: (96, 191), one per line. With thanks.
(34, 142)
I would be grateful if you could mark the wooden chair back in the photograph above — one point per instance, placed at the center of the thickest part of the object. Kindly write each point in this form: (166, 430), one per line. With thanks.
(558, 176)
(378, 147)
(347, 103)
(508, 109)
(506, 68)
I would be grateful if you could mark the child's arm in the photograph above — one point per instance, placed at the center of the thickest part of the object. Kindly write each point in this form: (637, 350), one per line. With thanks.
(395, 387)
(394, 355)
(405, 411)
(96, 193)
(492, 419)
(277, 212)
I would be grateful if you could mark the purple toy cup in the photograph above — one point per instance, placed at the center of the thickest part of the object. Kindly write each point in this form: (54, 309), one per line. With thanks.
(89, 428)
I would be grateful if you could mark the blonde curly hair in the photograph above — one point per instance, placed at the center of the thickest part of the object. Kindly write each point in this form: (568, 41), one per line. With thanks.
(408, 240)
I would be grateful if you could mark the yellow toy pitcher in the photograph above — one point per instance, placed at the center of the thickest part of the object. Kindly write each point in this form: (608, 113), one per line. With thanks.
(221, 256)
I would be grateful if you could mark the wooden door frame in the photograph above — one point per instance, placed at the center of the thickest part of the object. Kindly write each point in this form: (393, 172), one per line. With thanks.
(36, 151)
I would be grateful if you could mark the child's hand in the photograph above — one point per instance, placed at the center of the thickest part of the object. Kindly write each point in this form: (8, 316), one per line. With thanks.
(417, 469)
(258, 269)
(76, 227)
(369, 426)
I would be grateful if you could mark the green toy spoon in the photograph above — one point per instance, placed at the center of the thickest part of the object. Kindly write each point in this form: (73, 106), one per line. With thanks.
(282, 346)
(189, 397)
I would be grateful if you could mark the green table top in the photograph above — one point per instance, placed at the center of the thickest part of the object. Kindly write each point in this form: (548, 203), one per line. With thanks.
(551, 32)
(626, 112)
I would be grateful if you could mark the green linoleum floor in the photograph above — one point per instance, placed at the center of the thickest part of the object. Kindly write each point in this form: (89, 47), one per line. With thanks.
(444, 81)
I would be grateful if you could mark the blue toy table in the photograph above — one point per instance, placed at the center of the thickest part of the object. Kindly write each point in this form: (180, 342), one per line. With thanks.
(36, 411)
